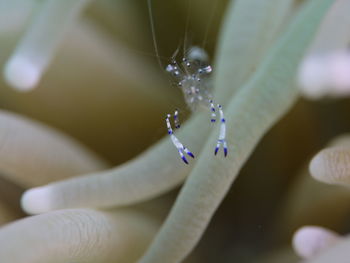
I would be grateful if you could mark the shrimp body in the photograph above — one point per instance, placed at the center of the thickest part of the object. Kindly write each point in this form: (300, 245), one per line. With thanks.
(192, 75)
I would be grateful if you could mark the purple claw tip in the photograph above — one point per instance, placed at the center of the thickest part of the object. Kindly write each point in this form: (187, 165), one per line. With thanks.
(212, 120)
(216, 150)
(184, 159)
(190, 154)
(225, 152)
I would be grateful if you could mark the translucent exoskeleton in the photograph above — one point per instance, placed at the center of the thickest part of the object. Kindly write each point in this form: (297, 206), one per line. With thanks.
(192, 76)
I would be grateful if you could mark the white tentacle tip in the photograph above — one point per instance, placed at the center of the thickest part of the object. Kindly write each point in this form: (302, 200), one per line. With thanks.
(21, 74)
(309, 241)
(36, 200)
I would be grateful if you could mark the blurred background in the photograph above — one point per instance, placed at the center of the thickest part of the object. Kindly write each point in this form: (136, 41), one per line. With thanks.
(105, 89)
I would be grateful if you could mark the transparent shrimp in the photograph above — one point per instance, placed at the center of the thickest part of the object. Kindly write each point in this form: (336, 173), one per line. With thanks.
(192, 76)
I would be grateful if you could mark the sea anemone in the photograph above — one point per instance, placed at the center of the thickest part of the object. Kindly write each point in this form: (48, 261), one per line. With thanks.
(89, 212)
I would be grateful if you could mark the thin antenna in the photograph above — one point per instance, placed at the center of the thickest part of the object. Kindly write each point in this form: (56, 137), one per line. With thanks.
(155, 45)
(208, 26)
(186, 27)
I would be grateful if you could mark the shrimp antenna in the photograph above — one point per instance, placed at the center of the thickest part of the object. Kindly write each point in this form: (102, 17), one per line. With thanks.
(155, 45)
(186, 27)
(208, 25)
